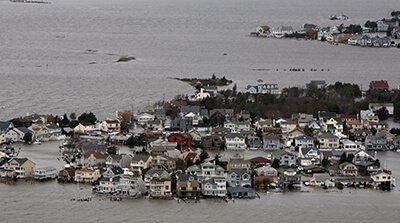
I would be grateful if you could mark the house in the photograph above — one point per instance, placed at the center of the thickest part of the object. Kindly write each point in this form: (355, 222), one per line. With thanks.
(312, 169)
(322, 179)
(54, 130)
(217, 119)
(379, 179)
(361, 156)
(17, 134)
(263, 31)
(214, 187)
(109, 126)
(286, 158)
(238, 178)
(381, 86)
(290, 179)
(361, 135)
(212, 142)
(123, 160)
(271, 142)
(163, 163)
(20, 122)
(376, 143)
(108, 185)
(333, 125)
(67, 174)
(348, 169)
(212, 90)
(93, 158)
(183, 140)
(354, 125)
(160, 174)
(382, 26)
(294, 133)
(143, 118)
(187, 186)
(125, 116)
(328, 141)
(113, 171)
(154, 125)
(264, 123)
(310, 156)
(189, 157)
(396, 142)
(87, 176)
(201, 95)
(266, 171)
(319, 84)
(206, 170)
(304, 141)
(241, 192)
(40, 132)
(160, 146)
(282, 31)
(235, 141)
(160, 114)
(288, 126)
(237, 127)
(43, 173)
(196, 136)
(18, 167)
(160, 188)
(333, 156)
(263, 88)
(351, 146)
(238, 164)
(84, 128)
(259, 161)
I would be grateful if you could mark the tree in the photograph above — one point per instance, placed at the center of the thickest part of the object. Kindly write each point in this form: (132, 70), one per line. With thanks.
(51, 119)
(382, 113)
(203, 155)
(28, 137)
(395, 131)
(325, 161)
(343, 158)
(73, 116)
(275, 164)
(87, 117)
(216, 158)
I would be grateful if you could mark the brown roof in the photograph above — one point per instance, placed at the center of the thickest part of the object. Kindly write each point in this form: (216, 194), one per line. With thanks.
(379, 84)
(259, 159)
(343, 116)
(95, 154)
(112, 121)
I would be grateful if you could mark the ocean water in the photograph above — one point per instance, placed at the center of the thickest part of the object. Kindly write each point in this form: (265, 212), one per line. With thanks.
(61, 57)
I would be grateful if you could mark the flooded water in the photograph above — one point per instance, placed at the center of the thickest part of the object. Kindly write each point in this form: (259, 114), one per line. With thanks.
(60, 57)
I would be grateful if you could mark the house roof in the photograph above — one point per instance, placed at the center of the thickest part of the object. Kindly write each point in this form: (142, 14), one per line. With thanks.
(4, 125)
(116, 170)
(24, 130)
(153, 171)
(344, 116)
(234, 135)
(303, 137)
(379, 84)
(238, 172)
(139, 157)
(95, 154)
(20, 161)
(327, 136)
(185, 177)
(259, 159)
(112, 121)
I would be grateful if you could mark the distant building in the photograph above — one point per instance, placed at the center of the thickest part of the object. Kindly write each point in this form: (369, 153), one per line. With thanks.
(379, 86)
(262, 88)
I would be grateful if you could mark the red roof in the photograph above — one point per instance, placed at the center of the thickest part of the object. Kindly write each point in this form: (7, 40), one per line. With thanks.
(259, 159)
(343, 116)
(112, 121)
(95, 154)
(379, 84)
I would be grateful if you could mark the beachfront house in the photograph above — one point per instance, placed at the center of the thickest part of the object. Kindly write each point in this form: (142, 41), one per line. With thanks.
(43, 173)
(87, 176)
(160, 188)
(187, 186)
(18, 167)
(235, 141)
(238, 178)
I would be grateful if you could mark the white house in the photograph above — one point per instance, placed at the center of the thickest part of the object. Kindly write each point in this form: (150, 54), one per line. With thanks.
(235, 141)
(143, 118)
